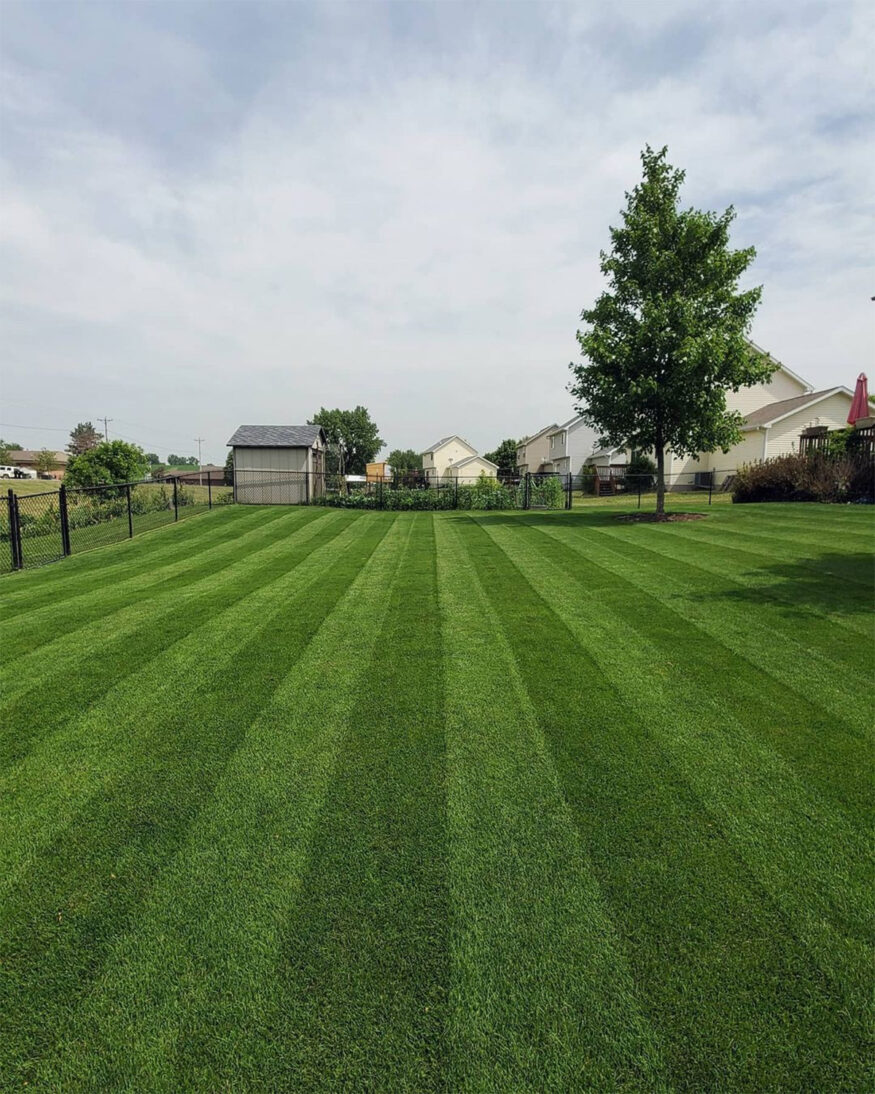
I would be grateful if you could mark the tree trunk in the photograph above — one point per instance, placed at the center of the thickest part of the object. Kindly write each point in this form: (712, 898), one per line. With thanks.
(660, 473)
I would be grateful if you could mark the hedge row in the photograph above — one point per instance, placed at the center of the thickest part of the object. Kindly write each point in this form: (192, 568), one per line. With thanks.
(818, 477)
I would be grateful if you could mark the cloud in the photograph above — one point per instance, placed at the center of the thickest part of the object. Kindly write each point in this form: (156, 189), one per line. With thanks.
(211, 217)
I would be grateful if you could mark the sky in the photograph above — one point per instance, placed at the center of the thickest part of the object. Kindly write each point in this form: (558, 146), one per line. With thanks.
(216, 214)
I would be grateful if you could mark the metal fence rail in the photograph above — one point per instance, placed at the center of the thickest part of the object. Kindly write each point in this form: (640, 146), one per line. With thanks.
(405, 492)
(39, 528)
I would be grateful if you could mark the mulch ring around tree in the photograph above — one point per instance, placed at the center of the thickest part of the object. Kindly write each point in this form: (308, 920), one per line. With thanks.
(657, 518)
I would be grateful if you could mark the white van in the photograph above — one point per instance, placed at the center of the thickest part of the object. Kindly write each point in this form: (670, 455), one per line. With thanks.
(7, 472)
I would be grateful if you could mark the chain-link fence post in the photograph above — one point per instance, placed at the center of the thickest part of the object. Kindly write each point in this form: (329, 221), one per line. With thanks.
(130, 511)
(210, 490)
(14, 531)
(65, 522)
(175, 500)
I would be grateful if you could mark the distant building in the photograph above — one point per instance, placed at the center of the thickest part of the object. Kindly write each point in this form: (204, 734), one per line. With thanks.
(26, 457)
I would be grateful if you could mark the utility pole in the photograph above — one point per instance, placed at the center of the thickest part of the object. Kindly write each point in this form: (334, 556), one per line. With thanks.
(200, 475)
(106, 422)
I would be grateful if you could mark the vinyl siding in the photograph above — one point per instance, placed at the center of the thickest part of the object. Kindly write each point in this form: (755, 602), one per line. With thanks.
(781, 386)
(831, 412)
(445, 456)
(271, 459)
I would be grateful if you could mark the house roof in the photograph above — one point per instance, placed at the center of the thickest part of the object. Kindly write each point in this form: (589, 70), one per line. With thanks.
(471, 459)
(276, 436)
(567, 425)
(540, 433)
(774, 412)
(445, 440)
(30, 455)
(781, 366)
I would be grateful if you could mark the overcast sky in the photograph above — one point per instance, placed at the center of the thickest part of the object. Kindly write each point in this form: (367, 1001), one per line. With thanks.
(226, 213)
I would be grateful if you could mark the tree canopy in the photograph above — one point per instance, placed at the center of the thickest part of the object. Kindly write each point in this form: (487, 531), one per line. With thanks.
(353, 439)
(181, 461)
(504, 456)
(46, 460)
(667, 339)
(83, 437)
(6, 447)
(107, 462)
(404, 459)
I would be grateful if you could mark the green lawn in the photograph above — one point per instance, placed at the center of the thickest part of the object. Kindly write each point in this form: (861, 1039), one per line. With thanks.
(307, 800)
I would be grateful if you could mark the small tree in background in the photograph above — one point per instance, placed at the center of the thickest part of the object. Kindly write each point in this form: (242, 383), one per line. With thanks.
(353, 439)
(46, 461)
(108, 462)
(153, 458)
(6, 447)
(667, 340)
(505, 457)
(404, 459)
(229, 469)
(82, 438)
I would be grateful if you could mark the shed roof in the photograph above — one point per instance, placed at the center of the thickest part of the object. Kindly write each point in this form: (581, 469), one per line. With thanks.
(276, 436)
(31, 455)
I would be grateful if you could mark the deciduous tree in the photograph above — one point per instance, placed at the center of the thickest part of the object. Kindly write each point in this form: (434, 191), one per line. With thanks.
(667, 339)
(504, 456)
(353, 439)
(404, 459)
(107, 462)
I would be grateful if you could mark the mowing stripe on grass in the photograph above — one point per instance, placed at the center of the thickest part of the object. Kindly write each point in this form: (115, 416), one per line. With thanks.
(90, 747)
(57, 618)
(742, 603)
(819, 872)
(365, 965)
(32, 589)
(786, 684)
(58, 925)
(44, 703)
(530, 936)
(697, 926)
(162, 1019)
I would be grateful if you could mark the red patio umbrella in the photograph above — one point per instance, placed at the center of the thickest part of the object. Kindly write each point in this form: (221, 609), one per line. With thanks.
(860, 403)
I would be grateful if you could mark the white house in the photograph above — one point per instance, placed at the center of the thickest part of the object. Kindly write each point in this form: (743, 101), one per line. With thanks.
(570, 445)
(443, 454)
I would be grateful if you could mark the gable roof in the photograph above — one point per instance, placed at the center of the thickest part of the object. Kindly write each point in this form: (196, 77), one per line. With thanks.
(535, 436)
(446, 440)
(471, 459)
(774, 412)
(277, 436)
(781, 366)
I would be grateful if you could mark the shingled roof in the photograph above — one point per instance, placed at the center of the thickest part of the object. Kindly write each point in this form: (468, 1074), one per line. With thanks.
(276, 436)
(765, 415)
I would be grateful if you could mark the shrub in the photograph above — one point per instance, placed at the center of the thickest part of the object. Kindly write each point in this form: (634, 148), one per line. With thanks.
(818, 477)
(640, 474)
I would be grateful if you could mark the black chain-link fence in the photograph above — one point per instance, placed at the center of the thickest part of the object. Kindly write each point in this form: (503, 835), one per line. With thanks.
(407, 492)
(40, 528)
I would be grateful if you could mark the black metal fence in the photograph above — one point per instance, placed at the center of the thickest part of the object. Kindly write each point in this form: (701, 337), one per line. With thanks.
(616, 482)
(404, 493)
(44, 527)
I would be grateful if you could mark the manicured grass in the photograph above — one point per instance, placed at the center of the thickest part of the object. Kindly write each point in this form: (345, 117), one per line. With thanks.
(294, 800)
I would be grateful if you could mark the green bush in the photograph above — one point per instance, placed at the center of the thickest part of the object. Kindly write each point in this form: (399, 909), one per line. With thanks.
(818, 477)
(640, 474)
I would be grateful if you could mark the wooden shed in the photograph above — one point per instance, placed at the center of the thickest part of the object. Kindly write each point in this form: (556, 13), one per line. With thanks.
(278, 464)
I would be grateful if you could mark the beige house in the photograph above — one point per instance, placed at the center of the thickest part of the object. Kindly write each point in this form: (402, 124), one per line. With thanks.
(776, 413)
(533, 453)
(472, 468)
(444, 454)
